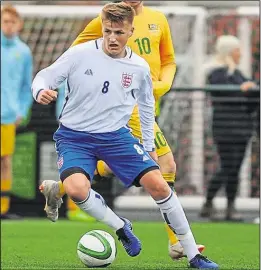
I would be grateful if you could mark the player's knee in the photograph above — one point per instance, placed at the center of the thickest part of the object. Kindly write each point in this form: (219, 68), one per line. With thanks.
(161, 190)
(78, 191)
(155, 185)
(76, 185)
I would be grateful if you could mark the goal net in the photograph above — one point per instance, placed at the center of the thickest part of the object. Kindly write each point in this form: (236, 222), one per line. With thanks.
(184, 119)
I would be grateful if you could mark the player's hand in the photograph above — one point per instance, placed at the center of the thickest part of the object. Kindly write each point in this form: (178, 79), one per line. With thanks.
(45, 97)
(154, 155)
(247, 85)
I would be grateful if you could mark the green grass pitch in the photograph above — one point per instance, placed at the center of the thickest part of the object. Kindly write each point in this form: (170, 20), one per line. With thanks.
(40, 244)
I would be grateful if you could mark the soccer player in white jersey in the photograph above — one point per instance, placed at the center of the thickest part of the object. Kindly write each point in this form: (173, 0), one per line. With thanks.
(105, 72)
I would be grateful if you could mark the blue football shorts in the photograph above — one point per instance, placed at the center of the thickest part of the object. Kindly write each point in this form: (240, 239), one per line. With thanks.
(79, 151)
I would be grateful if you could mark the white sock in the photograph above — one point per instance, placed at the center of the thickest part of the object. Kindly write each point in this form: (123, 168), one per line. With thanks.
(96, 206)
(173, 214)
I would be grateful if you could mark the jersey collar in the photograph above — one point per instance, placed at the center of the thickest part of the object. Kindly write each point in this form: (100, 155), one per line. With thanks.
(98, 44)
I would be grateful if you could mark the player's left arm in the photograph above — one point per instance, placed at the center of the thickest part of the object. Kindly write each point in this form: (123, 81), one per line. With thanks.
(168, 64)
(25, 97)
(146, 105)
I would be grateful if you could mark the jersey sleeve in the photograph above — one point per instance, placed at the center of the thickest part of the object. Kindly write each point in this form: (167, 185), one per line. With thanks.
(146, 105)
(168, 64)
(92, 31)
(167, 54)
(52, 76)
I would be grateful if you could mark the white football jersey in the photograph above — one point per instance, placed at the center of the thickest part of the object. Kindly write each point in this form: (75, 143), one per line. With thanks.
(101, 91)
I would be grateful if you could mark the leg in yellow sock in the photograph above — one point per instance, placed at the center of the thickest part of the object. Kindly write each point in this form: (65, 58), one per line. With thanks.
(5, 204)
(61, 189)
(5, 195)
(71, 206)
(103, 169)
(7, 150)
(171, 235)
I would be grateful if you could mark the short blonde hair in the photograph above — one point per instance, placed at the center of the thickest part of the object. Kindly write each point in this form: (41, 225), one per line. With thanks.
(225, 44)
(118, 12)
(11, 10)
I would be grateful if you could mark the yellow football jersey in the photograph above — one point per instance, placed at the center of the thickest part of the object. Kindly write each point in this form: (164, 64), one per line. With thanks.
(151, 40)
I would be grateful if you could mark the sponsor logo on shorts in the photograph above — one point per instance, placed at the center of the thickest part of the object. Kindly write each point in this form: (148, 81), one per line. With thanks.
(145, 158)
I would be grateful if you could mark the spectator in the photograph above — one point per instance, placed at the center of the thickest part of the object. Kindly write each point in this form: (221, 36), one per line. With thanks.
(16, 98)
(232, 123)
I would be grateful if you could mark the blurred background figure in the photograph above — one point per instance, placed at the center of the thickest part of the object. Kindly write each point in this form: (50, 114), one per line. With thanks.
(16, 98)
(232, 123)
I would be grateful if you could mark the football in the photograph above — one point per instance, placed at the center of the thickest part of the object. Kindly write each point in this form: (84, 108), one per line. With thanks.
(96, 248)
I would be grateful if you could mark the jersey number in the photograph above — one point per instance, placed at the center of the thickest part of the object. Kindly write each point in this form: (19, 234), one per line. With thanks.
(105, 88)
(160, 140)
(144, 45)
(138, 149)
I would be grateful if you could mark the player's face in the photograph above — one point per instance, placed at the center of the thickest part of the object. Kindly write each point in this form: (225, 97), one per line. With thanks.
(116, 36)
(236, 55)
(10, 24)
(133, 3)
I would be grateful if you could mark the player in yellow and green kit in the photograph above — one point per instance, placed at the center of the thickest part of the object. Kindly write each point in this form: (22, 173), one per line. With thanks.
(152, 41)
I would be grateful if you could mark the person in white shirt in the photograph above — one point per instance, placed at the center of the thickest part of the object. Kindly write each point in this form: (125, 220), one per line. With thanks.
(105, 80)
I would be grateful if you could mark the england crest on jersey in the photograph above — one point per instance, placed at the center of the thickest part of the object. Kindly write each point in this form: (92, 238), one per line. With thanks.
(126, 80)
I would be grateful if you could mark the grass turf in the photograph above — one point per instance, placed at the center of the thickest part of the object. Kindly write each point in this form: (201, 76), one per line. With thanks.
(40, 244)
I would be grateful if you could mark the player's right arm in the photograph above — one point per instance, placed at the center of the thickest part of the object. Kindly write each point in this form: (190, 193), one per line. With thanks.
(48, 79)
(92, 31)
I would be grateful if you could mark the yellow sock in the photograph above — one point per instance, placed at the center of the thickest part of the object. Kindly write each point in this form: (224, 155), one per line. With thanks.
(5, 195)
(101, 168)
(61, 189)
(5, 204)
(170, 178)
(171, 235)
(71, 206)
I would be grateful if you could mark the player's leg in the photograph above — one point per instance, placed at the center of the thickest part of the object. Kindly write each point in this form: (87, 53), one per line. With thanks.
(7, 150)
(173, 214)
(139, 171)
(54, 191)
(168, 171)
(78, 188)
(76, 163)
